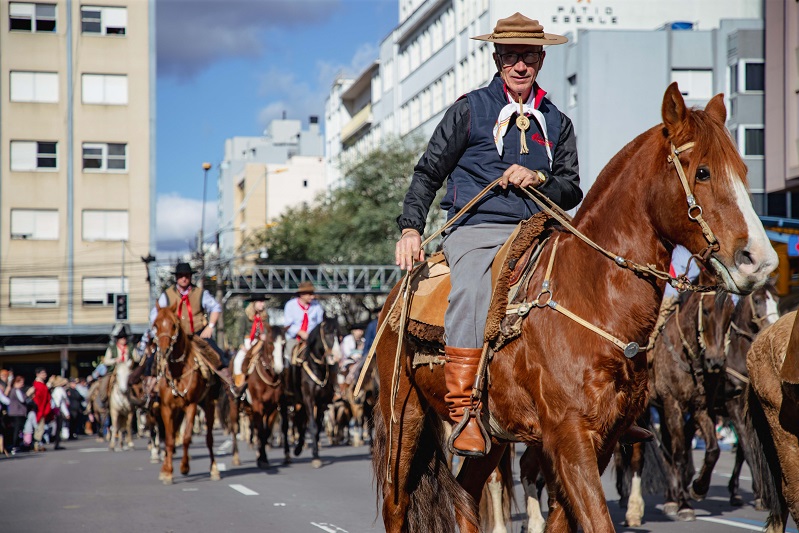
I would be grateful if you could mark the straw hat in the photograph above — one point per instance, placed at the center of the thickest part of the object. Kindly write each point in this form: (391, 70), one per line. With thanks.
(518, 29)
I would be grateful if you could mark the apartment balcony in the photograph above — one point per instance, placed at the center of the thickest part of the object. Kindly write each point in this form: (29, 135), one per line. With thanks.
(360, 122)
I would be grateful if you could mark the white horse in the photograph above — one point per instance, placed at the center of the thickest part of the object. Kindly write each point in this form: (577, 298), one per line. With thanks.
(120, 407)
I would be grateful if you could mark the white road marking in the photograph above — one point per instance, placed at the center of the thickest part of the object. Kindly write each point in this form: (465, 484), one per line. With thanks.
(748, 527)
(279, 504)
(330, 528)
(191, 490)
(92, 450)
(244, 490)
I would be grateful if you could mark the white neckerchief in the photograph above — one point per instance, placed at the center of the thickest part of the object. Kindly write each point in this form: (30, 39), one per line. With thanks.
(505, 114)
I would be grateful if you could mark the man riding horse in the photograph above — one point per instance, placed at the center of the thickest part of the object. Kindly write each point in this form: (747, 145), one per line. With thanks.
(257, 315)
(474, 143)
(300, 316)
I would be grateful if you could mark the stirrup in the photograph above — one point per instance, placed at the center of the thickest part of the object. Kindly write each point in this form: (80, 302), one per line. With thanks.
(456, 431)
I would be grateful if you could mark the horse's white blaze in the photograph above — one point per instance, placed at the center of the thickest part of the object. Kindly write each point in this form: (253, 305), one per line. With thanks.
(535, 520)
(772, 314)
(635, 503)
(764, 258)
(277, 355)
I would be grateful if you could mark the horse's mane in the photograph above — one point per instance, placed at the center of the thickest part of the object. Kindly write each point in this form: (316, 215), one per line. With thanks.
(195, 345)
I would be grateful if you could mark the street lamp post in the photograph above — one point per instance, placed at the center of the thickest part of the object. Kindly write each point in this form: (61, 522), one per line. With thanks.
(206, 168)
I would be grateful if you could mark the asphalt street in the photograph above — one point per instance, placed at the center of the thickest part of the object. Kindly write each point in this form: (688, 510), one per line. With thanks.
(88, 488)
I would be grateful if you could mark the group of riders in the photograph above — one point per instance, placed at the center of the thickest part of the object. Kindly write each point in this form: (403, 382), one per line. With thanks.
(199, 312)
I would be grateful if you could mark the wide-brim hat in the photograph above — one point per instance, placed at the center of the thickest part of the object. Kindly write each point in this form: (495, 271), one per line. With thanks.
(518, 29)
(305, 287)
(60, 381)
(258, 297)
(120, 330)
(183, 268)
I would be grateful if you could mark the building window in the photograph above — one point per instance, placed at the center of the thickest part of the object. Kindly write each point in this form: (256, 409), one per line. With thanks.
(34, 224)
(100, 225)
(747, 76)
(104, 20)
(34, 87)
(34, 155)
(751, 141)
(105, 157)
(109, 89)
(33, 292)
(38, 18)
(305, 183)
(694, 84)
(100, 291)
(573, 90)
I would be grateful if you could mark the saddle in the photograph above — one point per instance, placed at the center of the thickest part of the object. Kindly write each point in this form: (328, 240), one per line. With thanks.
(430, 287)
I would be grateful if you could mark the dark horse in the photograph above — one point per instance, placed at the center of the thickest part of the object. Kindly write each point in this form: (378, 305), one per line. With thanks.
(564, 391)
(183, 387)
(264, 389)
(688, 376)
(316, 385)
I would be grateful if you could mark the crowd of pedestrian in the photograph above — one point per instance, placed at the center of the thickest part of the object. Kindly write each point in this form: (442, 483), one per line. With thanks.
(46, 411)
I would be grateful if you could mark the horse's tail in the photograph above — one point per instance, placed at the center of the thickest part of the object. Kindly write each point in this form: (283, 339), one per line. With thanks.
(432, 489)
(765, 464)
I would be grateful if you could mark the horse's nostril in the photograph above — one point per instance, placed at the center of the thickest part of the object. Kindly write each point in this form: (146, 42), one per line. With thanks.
(743, 257)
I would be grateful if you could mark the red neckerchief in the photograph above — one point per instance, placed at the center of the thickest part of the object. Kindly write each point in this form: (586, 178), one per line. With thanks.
(257, 326)
(122, 351)
(304, 325)
(185, 298)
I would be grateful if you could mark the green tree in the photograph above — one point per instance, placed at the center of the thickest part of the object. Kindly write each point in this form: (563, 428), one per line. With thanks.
(355, 223)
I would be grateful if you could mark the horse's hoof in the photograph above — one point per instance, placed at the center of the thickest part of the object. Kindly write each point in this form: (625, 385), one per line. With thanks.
(316, 463)
(670, 508)
(736, 500)
(154, 460)
(161, 476)
(695, 495)
(758, 504)
(263, 464)
(184, 470)
(632, 522)
(167, 480)
(297, 450)
(215, 476)
(686, 515)
(287, 459)
(236, 461)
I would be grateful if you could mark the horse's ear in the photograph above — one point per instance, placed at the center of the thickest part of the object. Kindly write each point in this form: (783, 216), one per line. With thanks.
(157, 306)
(716, 110)
(673, 110)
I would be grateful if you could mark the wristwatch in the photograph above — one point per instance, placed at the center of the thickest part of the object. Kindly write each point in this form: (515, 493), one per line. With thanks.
(541, 177)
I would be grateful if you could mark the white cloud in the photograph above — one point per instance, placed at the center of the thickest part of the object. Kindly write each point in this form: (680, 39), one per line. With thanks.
(193, 34)
(178, 222)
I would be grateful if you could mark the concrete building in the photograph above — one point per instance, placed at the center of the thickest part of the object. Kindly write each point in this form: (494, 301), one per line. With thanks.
(781, 108)
(77, 180)
(261, 177)
(429, 60)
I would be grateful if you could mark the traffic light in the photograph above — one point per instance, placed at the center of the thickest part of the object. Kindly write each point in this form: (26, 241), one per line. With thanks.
(121, 306)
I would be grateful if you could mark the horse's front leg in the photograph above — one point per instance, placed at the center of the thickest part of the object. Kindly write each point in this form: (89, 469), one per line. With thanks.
(284, 428)
(472, 477)
(701, 484)
(233, 416)
(210, 413)
(529, 474)
(113, 434)
(572, 468)
(169, 443)
(316, 413)
(129, 427)
(258, 419)
(677, 461)
(191, 411)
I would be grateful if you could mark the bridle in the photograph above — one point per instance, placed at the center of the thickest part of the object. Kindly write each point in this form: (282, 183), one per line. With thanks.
(168, 352)
(321, 362)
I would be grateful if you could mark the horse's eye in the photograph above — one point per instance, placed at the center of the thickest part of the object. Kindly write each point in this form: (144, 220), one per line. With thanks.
(702, 174)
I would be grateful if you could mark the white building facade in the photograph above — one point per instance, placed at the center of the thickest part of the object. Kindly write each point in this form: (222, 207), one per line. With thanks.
(429, 60)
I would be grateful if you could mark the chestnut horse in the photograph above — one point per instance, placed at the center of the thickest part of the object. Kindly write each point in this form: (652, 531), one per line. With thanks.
(560, 389)
(182, 387)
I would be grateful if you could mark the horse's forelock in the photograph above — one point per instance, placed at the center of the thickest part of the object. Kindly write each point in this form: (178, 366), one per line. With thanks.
(715, 148)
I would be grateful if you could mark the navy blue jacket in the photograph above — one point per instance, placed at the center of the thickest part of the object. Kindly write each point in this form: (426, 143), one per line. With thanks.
(462, 149)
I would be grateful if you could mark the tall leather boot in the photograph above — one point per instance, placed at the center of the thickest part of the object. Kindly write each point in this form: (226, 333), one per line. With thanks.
(460, 371)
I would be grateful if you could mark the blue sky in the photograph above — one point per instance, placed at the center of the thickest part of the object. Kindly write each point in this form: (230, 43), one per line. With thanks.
(227, 67)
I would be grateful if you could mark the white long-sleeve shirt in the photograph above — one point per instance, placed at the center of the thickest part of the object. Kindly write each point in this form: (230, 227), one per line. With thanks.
(293, 313)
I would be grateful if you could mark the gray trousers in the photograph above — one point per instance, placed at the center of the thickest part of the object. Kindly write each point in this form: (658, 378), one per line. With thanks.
(470, 250)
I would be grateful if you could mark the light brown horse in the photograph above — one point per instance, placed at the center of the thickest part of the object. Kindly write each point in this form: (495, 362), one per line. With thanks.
(183, 387)
(773, 412)
(561, 389)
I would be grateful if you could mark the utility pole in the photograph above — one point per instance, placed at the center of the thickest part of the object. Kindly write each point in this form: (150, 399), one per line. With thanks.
(201, 247)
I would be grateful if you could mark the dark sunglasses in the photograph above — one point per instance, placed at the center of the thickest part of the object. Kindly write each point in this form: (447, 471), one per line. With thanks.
(529, 58)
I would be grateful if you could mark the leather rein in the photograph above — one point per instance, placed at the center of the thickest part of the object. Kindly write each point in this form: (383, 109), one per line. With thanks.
(321, 362)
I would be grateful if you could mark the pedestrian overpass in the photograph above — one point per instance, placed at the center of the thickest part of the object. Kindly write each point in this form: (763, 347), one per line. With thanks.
(328, 279)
